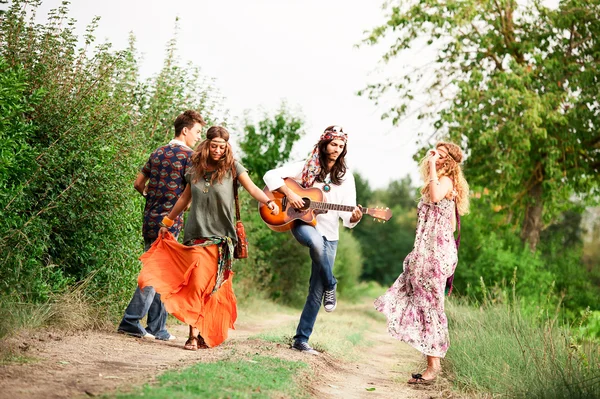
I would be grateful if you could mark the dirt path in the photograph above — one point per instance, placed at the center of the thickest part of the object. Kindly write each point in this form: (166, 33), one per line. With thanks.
(381, 373)
(88, 364)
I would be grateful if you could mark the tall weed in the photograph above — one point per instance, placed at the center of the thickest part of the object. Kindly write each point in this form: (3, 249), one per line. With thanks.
(499, 349)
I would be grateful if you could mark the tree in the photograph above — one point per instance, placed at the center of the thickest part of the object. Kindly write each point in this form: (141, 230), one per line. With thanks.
(269, 144)
(364, 193)
(277, 264)
(2, 12)
(384, 246)
(518, 85)
(75, 126)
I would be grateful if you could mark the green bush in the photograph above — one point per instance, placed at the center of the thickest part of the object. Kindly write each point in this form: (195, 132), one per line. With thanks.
(384, 246)
(492, 251)
(348, 263)
(77, 125)
(589, 327)
(278, 267)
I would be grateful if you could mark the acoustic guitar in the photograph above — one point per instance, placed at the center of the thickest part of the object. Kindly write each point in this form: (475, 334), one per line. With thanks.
(313, 205)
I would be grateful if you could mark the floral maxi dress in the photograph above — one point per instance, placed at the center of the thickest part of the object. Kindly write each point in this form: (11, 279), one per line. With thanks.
(414, 304)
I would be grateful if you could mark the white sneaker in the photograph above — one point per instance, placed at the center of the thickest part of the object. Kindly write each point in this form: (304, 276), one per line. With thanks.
(148, 336)
(304, 347)
(169, 338)
(330, 300)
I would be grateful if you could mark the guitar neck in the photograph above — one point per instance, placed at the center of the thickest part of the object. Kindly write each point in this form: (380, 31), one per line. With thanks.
(335, 207)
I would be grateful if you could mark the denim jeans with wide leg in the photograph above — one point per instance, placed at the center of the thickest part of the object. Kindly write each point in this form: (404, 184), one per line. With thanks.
(145, 302)
(322, 253)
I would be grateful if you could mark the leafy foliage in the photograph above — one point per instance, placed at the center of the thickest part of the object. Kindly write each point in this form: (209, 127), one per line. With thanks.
(79, 123)
(270, 143)
(384, 246)
(277, 266)
(491, 252)
(517, 83)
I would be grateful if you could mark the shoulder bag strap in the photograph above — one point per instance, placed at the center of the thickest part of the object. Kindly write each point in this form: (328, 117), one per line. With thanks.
(457, 240)
(235, 193)
(450, 279)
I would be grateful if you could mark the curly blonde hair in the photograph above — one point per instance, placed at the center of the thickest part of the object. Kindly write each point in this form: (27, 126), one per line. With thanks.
(453, 170)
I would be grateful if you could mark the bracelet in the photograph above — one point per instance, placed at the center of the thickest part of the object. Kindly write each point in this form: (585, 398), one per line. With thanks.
(268, 202)
(437, 182)
(166, 222)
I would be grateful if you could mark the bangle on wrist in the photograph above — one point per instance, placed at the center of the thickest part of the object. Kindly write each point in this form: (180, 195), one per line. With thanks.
(436, 181)
(269, 202)
(166, 222)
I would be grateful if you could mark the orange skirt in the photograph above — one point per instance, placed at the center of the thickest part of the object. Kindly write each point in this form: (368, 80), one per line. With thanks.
(185, 277)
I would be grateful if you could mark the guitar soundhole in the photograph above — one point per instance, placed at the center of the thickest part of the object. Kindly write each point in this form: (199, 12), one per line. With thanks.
(306, 204)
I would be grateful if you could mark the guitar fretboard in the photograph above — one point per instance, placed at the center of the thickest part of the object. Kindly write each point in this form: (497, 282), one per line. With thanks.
(334, 207)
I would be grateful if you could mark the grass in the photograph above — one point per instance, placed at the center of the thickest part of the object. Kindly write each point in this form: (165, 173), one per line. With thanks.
(9, 357)
(72, 310)
(498, 350)
(68, 311)
(260, 376)
(15, 316)
(341, 335)
(256, 377)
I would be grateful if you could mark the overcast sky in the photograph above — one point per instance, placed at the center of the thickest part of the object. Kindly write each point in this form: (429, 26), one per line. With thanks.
(264, 51)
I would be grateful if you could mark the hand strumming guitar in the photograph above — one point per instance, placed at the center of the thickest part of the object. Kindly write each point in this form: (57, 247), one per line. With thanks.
(293, 199)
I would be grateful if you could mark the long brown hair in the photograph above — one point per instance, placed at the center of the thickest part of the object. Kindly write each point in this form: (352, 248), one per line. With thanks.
(338, 170)
(453, 170)
(201, 161)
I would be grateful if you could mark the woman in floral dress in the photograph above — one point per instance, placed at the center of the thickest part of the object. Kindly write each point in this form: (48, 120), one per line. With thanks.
(414, 305)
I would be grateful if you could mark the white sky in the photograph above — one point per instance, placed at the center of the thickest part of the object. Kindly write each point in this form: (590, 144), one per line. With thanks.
(264, 51)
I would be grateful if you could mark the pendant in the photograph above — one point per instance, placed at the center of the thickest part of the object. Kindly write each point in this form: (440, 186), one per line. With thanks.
(326, 187)
(206, 186)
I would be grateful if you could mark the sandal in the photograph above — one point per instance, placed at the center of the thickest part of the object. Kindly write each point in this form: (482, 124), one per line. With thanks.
(201, 343)
(191, 344)
(417, 379)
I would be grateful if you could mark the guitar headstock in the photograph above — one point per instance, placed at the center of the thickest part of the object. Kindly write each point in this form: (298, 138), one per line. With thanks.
(380, 214)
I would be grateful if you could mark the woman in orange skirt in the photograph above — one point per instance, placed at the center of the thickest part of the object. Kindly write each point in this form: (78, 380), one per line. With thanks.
(194, 279)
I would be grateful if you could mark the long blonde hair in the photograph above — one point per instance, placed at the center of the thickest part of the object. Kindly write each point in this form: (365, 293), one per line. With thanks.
(452, 169)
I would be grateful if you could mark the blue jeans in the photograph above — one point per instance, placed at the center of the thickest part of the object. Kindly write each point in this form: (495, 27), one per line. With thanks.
(145, 302)
(322, 253)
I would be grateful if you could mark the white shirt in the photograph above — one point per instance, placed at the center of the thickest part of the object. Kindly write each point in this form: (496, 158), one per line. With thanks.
(344, 194)
(178, 142)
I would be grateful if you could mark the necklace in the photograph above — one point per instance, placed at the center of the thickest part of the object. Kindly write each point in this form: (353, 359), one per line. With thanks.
(327, 186)
(206, 182)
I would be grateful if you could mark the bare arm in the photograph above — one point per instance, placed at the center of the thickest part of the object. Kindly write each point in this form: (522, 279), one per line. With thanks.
(275, 181)
(438, 189)
(140, 183)
(257, 193)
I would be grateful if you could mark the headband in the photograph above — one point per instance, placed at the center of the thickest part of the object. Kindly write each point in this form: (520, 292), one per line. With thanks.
(334, 133)
(312, 167)
(448, 151)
